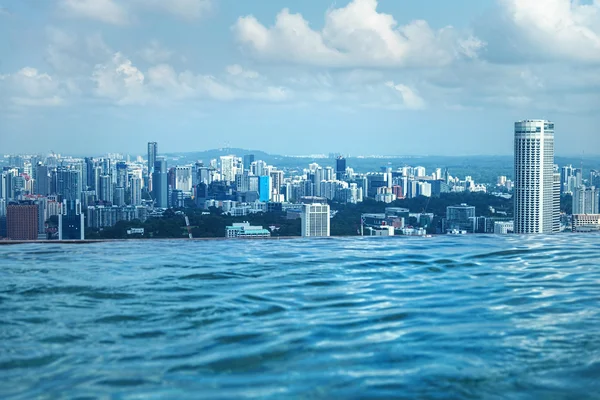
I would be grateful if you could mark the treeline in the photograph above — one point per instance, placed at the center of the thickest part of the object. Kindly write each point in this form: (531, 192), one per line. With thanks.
(345, 223)
(172, 225)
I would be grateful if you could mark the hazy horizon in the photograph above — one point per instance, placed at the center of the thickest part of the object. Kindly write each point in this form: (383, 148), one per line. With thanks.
(356, 77)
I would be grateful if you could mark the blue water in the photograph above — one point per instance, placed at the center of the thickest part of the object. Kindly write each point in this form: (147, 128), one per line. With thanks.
(443, 317)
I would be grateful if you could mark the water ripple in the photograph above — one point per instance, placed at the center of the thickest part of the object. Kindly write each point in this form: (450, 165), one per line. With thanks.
(445, 317)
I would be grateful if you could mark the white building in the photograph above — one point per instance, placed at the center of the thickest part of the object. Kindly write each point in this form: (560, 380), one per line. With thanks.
(245, 230)
(585, 200)
(315, 220)
(503, 227)
(183, 179)
(228, 168)
(534, 177)
(586, 222)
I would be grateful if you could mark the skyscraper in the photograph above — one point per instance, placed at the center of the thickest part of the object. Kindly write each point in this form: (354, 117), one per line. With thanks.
(160, 190)
(136, 191)
(228, 168)
(105, 191)
(315, 220)
(534, 177)
(340, 168)
(68, 183)
(152, 152)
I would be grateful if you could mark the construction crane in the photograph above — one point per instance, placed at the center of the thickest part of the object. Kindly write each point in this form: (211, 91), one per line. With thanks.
(189, 228)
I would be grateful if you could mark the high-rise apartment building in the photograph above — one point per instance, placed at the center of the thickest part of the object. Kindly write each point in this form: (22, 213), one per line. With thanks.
(585, 200)
(22, 221)
(534, 177)
(135, 185)
(228, 168)
(315, 220)
(68, 183)
(105, 189)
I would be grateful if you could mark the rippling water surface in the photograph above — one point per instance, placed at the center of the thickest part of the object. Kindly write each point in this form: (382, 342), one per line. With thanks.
(442, 317)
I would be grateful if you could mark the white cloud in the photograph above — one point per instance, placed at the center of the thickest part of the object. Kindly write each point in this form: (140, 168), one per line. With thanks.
(119, 80)
(154, 53)
(28, 87)
(549, 30)
(107, 11)
(122, 82)
(355, 35)
(410, 99)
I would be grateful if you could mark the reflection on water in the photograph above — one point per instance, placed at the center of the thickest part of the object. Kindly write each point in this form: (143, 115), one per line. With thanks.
(442, 317)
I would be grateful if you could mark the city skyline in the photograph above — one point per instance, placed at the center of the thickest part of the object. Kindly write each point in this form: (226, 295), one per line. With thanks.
(437, 79)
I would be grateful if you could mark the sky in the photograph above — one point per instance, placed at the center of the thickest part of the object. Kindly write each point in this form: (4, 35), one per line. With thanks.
(360, 77)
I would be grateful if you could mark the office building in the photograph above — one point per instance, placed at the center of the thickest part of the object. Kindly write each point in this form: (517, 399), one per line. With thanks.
(42, 181)
(2, 207)
(585, 200)
(122, 175)
(22, 221)
(71, 225)
(248, 160)
(534, 177)
(160, 190)
(315, 220)
(264, 188)
(340, 168)
(461, 218)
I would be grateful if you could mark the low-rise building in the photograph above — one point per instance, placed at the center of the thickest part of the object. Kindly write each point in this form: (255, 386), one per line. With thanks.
(586, 222)
(246, 231)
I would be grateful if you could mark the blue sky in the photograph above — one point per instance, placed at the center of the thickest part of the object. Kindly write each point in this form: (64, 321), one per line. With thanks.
(297, 77)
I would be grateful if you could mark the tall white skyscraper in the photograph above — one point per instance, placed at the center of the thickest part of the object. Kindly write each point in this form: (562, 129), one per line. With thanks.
(534, 177)
(315, 220)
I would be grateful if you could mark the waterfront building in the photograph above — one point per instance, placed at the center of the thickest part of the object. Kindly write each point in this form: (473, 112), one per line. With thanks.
(586, 222)
(534, 177)
(315, 220)
(503, 227)
(461, 218)
(246, 231)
